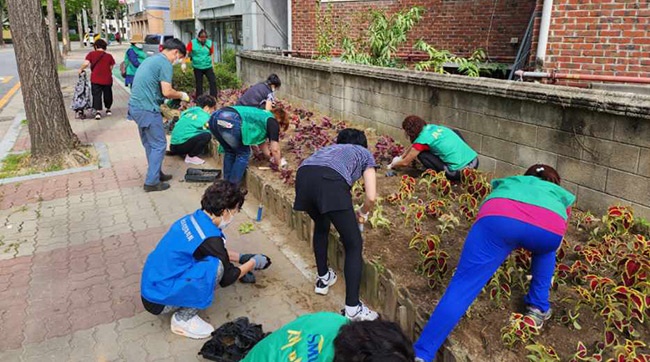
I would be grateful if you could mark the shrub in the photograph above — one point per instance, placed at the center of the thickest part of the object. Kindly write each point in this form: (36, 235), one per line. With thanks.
(184, 81)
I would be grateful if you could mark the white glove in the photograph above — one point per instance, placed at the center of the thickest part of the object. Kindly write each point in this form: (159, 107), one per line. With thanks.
(185, 97)
(184, 67)
(283, 163)
(396, 159)
(362, 217)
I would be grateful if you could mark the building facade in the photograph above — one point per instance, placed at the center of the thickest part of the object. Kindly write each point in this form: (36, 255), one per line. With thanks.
(148, 17)
(233, 24)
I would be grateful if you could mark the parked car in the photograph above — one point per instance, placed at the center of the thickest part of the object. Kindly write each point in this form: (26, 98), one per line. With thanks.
(153, 43)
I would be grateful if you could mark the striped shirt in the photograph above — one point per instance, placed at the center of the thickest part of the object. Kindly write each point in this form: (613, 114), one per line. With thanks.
(350, 161)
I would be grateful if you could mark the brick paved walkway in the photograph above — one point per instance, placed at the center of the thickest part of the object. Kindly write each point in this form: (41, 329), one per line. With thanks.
(72, 248)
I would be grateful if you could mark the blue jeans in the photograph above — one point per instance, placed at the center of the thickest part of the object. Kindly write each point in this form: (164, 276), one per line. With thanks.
(152, 135)
(225, 125)
(488, 243)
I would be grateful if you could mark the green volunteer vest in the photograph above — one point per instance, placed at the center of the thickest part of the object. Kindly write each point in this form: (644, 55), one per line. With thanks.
(447, 145)
(308, 338)
(190, 124)
(201, 58)
(534, 191)
(130, 68)
(253, 124)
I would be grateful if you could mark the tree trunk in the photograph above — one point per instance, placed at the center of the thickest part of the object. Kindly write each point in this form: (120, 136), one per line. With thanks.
(2, 22)
(80, 29)
(96, 16)
(65, 34)
(51, 19)
(49, 128)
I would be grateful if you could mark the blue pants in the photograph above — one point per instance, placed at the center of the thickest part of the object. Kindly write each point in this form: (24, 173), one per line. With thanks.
(225, 125)
(152, 135)
(488, 244)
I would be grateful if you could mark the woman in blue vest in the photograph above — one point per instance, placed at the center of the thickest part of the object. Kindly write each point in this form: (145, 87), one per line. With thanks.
(530, 212)
(181, 273)
(437, 147)
(200, 51)
(237, 128)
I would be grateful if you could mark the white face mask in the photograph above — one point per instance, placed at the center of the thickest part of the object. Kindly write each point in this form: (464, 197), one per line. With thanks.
(223, 223)
(178, 61)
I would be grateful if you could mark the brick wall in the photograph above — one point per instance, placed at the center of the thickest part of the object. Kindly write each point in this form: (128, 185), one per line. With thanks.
(598, 141)
(460, 26)
(605, 37)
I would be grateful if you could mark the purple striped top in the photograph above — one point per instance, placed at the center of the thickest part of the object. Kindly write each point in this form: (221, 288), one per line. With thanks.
(350, 161)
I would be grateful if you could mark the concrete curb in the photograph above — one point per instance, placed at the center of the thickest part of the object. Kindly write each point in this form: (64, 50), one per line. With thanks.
(11, 136)
(104, 162)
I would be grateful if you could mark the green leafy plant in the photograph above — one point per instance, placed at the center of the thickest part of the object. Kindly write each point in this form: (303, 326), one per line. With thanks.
(328, 31)
(377, 219)
(384, 36)
(520, 329)
(570, 319)
(246, 228)
(541, 353)
(433, 260)
(448, 222)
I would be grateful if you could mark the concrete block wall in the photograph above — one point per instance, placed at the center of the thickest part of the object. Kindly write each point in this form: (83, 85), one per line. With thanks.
(599, 141)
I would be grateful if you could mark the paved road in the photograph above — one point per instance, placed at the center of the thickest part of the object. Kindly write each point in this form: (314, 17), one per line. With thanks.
(8, 75)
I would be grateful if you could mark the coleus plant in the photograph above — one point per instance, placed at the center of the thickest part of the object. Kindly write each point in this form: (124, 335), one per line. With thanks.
(377, 219)
(386, 148)
(541, 353)
(520, 329)
(468, 206)
(415, 212)
(433, 260)
(435, 182)
(406, 190)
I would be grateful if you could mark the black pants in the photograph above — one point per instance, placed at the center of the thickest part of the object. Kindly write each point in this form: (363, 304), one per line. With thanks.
(99, 90)
(325, 196)
(192, 147)
(212, 80)
(433, 162)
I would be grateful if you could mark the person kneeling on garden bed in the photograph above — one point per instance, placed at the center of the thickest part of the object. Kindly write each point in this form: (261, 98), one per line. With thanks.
(190, 136)
(530, 212)
(239, 127)
(323, 184)
(436, 147)
(327, 337)
(181, 273)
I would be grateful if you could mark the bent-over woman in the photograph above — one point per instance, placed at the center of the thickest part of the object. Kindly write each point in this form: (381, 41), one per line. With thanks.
(190, 135)
(323, 184)
(530, 212)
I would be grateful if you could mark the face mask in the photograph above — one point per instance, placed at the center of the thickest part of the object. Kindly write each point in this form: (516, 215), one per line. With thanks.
(223, 223)
(178, 61)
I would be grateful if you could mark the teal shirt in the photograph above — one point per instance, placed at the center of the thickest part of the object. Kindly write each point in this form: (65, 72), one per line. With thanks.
(533, 190)
(201, 58)
(308, 338)
(446, 144)
(147, 94)
(191, 123)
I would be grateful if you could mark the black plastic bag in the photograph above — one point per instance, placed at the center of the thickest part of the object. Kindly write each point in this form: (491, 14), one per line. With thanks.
(232, 341)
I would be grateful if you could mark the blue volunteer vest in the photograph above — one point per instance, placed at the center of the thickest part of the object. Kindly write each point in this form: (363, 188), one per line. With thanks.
(171, 275)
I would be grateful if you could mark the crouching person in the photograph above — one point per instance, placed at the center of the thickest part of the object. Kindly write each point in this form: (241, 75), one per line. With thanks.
(327, 337)
(182, 272)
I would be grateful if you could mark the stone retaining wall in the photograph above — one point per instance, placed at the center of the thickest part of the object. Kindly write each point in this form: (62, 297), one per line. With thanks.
(599, 141)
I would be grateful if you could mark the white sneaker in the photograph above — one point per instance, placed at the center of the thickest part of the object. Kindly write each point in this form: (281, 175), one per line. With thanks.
(362, 313)
(194, 160)
(323, 284)
(195, 328)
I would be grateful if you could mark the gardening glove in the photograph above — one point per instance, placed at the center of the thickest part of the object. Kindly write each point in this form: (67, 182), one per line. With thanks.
(283, 163)
(396, 159)
(185, 97)
(245, 257)
(261, 261)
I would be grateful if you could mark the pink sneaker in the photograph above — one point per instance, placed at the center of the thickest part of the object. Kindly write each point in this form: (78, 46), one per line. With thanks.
(194, 160)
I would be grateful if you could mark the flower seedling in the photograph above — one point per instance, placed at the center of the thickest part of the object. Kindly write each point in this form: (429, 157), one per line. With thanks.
(448, 222)
(521, 328)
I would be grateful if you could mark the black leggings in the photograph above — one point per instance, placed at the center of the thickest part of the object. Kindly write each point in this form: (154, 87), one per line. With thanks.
(192, 147)
(212, 80)
(345, 222)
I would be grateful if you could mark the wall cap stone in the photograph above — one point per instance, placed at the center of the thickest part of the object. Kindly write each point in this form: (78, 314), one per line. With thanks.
(618, 103)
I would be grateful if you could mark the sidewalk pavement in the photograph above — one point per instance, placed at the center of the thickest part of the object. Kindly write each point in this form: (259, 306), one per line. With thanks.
(72, 249)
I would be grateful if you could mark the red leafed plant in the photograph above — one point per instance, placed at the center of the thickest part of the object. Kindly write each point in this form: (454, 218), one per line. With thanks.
(386, 149)
(520, 329)
(433, 260)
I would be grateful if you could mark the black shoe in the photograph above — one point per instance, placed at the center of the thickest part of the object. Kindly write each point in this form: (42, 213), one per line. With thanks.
(165, 177)
(161, 186)
(248, 278)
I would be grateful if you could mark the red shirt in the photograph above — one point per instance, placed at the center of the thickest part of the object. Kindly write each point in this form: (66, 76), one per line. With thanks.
(100, 67)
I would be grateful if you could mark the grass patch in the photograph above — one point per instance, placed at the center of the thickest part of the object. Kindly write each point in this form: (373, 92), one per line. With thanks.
(15, 165)
(61, 68)
(24, 122)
